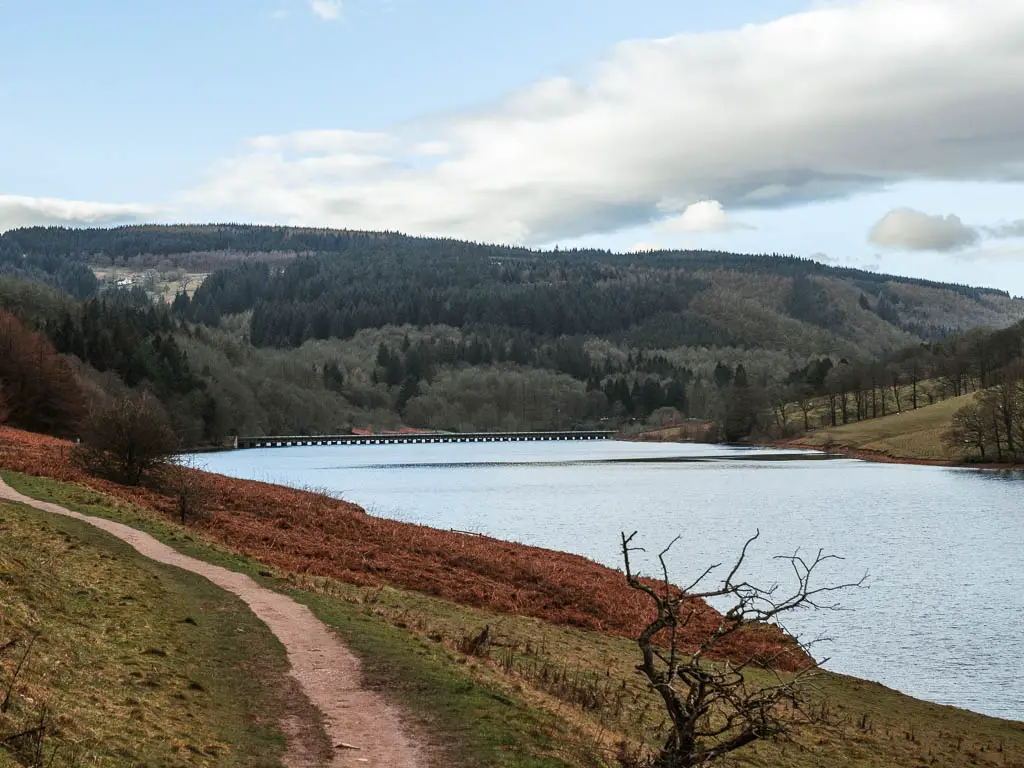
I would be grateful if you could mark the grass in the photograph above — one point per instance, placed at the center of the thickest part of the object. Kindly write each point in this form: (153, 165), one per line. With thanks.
(590, 679)
(912, 434)
(472, 721)
(546, 695)
(132, 663)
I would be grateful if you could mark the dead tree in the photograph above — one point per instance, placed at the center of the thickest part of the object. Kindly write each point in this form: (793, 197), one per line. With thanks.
(712, 708)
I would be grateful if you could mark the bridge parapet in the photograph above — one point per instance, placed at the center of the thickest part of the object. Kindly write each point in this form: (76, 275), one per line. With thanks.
(288, 441)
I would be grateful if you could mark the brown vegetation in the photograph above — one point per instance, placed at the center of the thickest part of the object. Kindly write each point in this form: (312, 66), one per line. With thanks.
(127, 437)
(312, 534)
(39, 389)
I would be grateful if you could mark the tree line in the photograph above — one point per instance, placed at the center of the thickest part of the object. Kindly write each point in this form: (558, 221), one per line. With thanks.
(987, 363)
(39, 390)
(648, 300)
(214, 384)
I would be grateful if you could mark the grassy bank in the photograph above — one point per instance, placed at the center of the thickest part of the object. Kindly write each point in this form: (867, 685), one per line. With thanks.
(545, 695)
(911, 435)
(474, 721)
(114, 660)
(301, 532)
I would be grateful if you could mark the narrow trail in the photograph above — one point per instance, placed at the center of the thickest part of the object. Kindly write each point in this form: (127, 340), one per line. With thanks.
(326, 670)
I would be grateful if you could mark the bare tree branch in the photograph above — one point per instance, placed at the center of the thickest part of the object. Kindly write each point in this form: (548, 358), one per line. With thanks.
(712, 708)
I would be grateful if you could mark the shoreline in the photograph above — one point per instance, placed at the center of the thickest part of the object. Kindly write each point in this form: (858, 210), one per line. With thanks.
(494, 546)
(799, 444)
(882, 458)
(864, 455)
(305, 532)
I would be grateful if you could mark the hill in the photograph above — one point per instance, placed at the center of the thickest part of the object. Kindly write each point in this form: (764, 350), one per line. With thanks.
(301, 330)
(334, 283)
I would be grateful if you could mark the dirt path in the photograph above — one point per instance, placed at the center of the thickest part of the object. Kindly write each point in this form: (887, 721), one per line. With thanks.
(326, 670)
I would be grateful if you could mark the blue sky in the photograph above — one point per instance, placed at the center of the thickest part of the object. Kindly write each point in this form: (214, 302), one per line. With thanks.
(884, 134)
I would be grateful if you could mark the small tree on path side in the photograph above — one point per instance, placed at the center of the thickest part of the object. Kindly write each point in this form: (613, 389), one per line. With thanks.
(187, 485)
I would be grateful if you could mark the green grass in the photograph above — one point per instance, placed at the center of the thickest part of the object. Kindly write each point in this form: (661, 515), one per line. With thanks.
(545, 695)
(471, 720)
(913, 434)
(134, 663)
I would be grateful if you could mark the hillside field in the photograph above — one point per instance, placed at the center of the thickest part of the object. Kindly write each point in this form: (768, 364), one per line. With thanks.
(910, 435)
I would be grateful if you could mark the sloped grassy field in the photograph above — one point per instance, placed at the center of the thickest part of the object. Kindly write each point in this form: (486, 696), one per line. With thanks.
(912, 434)
(539, 694)
(110, 659)
(302, 532)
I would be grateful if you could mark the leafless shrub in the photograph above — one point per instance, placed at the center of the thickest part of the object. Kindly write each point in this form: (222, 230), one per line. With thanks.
(712, 708)
(21, 737)
(127, 437)
(478, 644)
(190, 487)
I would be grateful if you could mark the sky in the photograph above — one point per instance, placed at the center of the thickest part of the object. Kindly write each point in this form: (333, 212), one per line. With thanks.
(881, 134)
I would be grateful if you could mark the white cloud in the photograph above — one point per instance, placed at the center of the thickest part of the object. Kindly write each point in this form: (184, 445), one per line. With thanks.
(323, 142)
(824, 258)
(1005, 252)
(328, 10)
(916, 231)
(17, 211)
(822, 104)
(432, 148)
(703, 217)
(645, 247)
(1007, 230)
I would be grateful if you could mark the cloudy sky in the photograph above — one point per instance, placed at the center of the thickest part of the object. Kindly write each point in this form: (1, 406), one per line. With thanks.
(882, 134)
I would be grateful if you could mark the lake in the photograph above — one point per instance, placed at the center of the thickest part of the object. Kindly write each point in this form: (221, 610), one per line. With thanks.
(941, 618)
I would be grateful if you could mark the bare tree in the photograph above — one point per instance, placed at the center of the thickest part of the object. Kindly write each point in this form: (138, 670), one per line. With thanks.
(895, 375)
(833, 387)
(712, 708)
(993, 424)
(187, 484)
(804, 397)
(128, 437)
(968, 428)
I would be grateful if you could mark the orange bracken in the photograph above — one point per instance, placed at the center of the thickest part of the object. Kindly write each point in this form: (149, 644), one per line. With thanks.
(304, 532)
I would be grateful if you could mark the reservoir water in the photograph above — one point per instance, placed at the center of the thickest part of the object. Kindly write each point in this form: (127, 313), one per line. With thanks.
(942, 618)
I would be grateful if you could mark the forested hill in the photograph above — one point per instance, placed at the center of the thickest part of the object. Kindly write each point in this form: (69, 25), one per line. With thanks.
(298, 330)
(342, 281)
